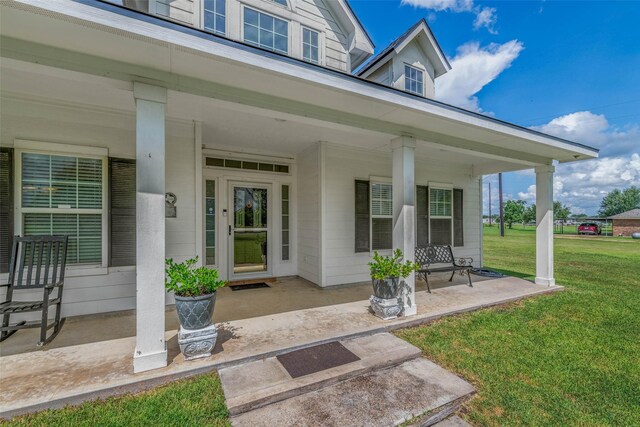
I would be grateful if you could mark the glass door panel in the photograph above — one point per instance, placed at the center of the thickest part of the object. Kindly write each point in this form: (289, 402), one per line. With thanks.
(250, 230)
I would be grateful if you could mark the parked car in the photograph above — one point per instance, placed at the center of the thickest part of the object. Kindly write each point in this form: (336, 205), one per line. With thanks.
(589, 228)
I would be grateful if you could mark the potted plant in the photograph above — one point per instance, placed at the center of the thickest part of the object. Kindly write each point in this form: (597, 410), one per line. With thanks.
(195, 292)
(386, 275)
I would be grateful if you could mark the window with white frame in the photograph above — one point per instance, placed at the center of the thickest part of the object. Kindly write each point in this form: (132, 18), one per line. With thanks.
(441, 215)
(266, 31)
(62, 194)
(281, 2)
(310, 45)
(413, 80)
(214, 16)
(381, 216)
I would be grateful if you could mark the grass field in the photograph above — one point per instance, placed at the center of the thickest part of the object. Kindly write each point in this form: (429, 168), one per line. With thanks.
(569, 358)
(197, 401)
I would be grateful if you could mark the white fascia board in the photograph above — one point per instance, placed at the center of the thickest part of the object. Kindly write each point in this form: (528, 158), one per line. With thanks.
(316, 76)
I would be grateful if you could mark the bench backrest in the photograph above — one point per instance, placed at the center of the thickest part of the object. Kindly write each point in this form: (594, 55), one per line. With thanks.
(37, 261)
(434, 254)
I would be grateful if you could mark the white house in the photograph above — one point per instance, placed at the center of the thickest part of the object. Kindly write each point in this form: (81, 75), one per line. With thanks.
(285, 151)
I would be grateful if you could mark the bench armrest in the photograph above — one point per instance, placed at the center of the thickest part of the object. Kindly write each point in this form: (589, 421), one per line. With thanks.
(5, 285)
(54, 285)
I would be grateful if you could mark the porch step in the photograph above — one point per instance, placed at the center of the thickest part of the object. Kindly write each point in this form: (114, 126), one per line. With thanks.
(258, 383)
(417, 392)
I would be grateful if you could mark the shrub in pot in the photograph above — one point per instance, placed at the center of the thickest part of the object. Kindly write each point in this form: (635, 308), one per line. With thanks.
(386, 272)
(195, 292)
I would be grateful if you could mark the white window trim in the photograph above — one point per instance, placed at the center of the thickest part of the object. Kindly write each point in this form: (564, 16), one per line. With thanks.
(421, 71)
(372, 181)
(259, 10)
(38, 147)
(440, 186)
(320, 44)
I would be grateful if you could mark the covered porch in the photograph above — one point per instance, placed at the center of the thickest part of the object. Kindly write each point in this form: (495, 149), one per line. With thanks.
(82, 366)
(176, 107)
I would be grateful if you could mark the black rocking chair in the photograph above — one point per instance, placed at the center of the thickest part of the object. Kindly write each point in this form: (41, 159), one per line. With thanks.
(37, 262)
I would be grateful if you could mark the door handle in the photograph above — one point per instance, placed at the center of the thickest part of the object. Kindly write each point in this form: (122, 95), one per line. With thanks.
(229, 230)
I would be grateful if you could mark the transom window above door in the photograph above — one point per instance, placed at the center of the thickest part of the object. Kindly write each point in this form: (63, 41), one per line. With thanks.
(266, 31)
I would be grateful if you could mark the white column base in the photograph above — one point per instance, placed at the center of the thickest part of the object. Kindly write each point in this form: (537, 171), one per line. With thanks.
(546, 282)
(147, 362)
(410, 310)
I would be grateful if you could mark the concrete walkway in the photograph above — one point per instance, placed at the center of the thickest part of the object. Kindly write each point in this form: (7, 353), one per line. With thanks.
(56, 377)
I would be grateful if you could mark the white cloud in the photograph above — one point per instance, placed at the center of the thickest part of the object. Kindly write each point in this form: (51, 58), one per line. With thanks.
(485, 16)
(582, 185)
(594, 130)
(473, 68)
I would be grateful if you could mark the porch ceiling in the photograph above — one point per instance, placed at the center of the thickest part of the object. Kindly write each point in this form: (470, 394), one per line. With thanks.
(225, 125)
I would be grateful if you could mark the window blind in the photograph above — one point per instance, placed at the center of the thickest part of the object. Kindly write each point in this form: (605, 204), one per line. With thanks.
(54, 189)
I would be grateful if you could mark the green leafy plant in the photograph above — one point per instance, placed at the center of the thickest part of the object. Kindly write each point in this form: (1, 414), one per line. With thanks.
(186, 280)
(391, 266)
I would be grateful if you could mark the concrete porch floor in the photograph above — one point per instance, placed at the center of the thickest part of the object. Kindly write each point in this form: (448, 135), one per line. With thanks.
(73, 373)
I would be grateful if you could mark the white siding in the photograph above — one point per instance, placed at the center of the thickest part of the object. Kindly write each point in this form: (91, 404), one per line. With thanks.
(309, 214)
(109, 289)
(183, 11)
(382, 75)
(343, 167)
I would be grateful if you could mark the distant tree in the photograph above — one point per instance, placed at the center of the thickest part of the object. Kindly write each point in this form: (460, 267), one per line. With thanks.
(620, 201)
(529, 214)
(560, 211)
(514, 211)
(578, 216)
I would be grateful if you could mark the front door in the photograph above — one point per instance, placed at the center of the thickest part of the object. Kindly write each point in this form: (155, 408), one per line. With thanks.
(249, 231)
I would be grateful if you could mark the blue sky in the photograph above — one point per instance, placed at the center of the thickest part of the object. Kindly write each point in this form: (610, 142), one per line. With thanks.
(570, 68)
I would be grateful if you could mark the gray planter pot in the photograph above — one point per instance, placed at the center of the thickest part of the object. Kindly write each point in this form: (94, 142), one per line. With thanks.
(195, 312)
(386, 288)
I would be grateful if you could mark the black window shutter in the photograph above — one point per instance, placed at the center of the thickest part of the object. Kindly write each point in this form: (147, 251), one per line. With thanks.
(122, 207)
(458, 218)
(422, 215)
(6, 207)
(362, 216)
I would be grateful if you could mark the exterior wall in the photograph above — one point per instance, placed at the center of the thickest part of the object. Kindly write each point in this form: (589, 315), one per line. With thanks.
(343, 167)
(313, 14)
(412, 55)
(626, 227)
(309, 214)
(104, 289)
(382, 75)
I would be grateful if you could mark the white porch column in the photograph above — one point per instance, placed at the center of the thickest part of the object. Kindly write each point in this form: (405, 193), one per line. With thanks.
(544, 225)
(151, 349)
(404, 233)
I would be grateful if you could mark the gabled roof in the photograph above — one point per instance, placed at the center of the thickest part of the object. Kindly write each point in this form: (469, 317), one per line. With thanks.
(632, 214)
(437, 57)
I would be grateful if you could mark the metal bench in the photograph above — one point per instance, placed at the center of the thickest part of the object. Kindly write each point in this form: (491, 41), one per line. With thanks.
(439, 259)
(37, 262)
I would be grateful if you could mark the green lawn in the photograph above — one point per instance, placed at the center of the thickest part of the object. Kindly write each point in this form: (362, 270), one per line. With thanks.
(570, 358)
(195, 401)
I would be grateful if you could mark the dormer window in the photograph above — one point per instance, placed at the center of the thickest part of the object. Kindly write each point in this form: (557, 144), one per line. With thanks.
(266, 31)
(310, 45)
(281, 2)
(214, 16)
(413, 80)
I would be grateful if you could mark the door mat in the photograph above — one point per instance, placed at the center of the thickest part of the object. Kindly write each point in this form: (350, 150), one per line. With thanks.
(315, 359)
(249, 286)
